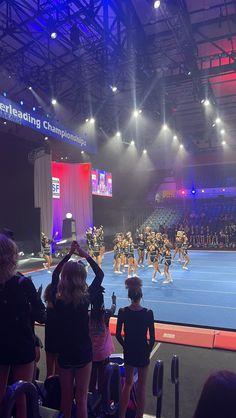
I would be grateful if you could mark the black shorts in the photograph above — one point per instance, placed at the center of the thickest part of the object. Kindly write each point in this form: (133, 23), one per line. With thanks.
(67, 365)
(16, 356)
(96, 254)
(168, 263)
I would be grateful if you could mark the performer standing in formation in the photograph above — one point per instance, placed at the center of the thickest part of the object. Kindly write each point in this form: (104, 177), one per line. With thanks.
(95, 243)
(154, 248)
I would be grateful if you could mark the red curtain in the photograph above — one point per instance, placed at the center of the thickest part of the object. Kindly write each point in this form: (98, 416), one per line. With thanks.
(75, 196)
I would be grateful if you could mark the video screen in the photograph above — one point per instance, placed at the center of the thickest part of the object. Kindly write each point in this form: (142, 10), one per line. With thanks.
(101, 183)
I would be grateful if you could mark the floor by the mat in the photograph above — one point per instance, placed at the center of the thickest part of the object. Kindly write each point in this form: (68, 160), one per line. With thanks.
(204, 295)
(195, 365)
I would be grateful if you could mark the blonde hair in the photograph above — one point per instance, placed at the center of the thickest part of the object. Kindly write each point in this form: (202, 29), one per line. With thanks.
(8, 258)
(72, 287)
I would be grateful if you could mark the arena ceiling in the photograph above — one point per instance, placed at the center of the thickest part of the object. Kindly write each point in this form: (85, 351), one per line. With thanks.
(163, 61)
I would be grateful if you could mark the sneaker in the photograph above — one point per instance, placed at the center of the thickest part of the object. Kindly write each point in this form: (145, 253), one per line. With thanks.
(129, 276)
(185, 268)
(119, 272)
(49, 271)
(126, 265)
(138, 265)
(166, 282)
(162, 273)
(150, 266)
(154, 280)
(116, 271)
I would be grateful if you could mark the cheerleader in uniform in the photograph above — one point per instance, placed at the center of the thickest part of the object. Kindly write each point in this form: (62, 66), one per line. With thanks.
(96, 251)
(167, 264)
(154, 255)
(141, 249)
(185, 253)
(117, 258)
(131, 258)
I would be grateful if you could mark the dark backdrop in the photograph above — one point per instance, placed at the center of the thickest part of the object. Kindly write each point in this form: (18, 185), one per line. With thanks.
(17, 210)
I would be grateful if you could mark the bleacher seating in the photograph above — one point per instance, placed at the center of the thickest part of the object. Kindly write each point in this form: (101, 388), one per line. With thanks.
(164, 215)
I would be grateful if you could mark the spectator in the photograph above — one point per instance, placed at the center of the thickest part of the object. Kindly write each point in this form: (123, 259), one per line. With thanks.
(101, 339)
(137, 321)
(19, 306)
(71, 298)
(217, 399)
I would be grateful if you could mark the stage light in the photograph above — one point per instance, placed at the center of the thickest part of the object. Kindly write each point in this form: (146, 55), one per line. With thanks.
(193, 191)
(53, 35)
(157, 4)
(202, 101)
(218, 121)
(206, 102)
(132, 142)
(183, 192)
(21, 102)
(92, 121)
(223, 190)
(175, 137)
(46, 138)
(69, 215)
(87, 120)
(82, 152)
(34, 108)
(203, 191)
(145, 151)
(4, 122)
(4, 94)
(181, 146)
(114, 89)
(213, 125)
(189, 73)
(30, 88)
(223, 142)
(165, 127)
(222, 131)
(54, 102)
(137, 112)
(118, 134)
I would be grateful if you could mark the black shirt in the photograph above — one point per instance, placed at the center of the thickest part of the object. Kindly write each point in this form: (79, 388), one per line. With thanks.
(20, 306)
(135, 344)
(74, 344)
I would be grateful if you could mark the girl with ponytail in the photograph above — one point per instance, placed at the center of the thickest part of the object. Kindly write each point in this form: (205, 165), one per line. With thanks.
(136, 322)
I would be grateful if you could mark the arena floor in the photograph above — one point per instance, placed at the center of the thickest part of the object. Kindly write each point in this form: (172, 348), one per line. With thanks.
(204, 295)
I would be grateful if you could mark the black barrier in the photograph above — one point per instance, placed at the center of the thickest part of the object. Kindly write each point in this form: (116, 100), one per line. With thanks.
(111, 391)
(175, 381)
(157, 385)
(18, 389)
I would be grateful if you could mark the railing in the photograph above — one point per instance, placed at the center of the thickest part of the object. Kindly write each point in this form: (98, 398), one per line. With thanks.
(157, 386)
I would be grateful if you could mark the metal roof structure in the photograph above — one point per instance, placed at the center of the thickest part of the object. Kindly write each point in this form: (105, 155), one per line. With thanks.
(165, 61)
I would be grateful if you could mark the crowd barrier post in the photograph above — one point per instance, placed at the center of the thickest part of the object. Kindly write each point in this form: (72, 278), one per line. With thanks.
(175, 381)
(157, 385)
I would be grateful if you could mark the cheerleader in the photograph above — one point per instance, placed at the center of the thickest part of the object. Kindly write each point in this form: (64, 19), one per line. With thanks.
(167, 264)
(178, 246)
(154, 255)
(96, 251)
(141, 249)
(132, 265)
(47, 249)
(117, 258)
(185, 253)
